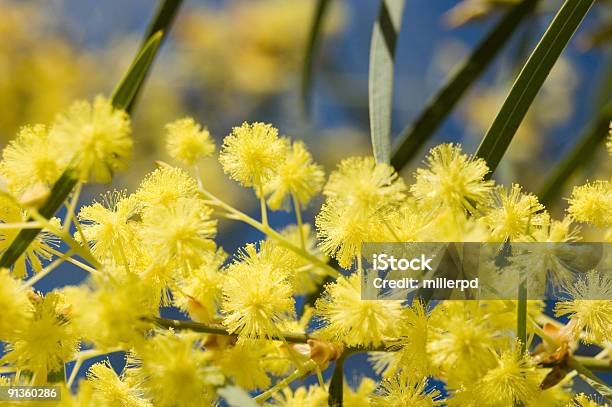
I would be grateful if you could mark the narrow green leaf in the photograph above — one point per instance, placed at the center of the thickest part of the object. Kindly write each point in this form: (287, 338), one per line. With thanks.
(312, 47)
(530, 80)
(521, 317)
(413, 137)
(130, 85)
(236, 397)
(595, 382)
(592, 137)
(380, 84)
(164, 17)
(336, 385)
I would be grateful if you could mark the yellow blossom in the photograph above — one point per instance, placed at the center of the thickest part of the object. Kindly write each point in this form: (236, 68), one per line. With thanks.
(96, 137)
(296, 176)
(590, 308)
(187, 142)
(453, 179)
(175, 371)
(110, 226)
(251, 154)
(164, 186)
(592, 203)
(110, 390)
(582, 400)
(46, 340)
(352, 321)
(405, 389)
(512, 214)
(14, 304)
(257, 292)
(361, 396)
(181, 233)
(31, 158)
(244, 364)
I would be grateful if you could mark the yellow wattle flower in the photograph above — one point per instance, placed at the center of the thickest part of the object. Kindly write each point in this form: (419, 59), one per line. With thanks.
(188, 142)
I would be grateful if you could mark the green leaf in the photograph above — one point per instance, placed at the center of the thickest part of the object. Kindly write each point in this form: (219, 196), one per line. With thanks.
(236, 397)
(312, 47)
(592, 138)
(380, 84)
(413, 137)
(130, 85)
(530, 80)
(336, 385)
(164, 17)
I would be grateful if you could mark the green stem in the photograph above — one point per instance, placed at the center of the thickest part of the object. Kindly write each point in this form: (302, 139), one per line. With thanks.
(591, 363)
(583, 370)
(521, 327)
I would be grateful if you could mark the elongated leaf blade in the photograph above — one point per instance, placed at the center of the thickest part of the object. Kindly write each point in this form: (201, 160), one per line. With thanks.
(530, 80)
(592, 138)
(135, 77)
(164, 17)
(312, 47)
(380, 84)
(413, 137)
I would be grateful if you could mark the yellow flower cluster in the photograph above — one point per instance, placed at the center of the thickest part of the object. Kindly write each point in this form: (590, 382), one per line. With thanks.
(157, 247)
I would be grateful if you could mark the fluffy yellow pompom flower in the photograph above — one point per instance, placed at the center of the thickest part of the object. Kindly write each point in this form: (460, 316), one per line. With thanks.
(14, 304)
(46, 340)
(251, 154)
(361, 196)
(244, 364)
(512, 214)
(297, 176)
(96, 136)
(403, 390)
(181, 233)
(257, 292)
(199, 291)
(166, 185)
(111, 311)
(364, 184)
(514, 380)
(110, 226)
(452, 179)
(352, 321)
(187, 142)
(31, 158)
(592, 203)
(362, 395)
(175, 371)
(110, 390)
(590, 310)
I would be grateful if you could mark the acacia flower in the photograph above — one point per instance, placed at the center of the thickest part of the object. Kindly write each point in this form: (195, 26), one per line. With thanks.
(404, 389)
(582, 400)
(110, 226)
(589, 308)
(181, 233)
(96, 136)
(175, 371)
(592, 203)
(251, 154)
(512, 214)
(257, 292)
(313, 396)
(513, 380)
(164, 186)
(187, 141)
(244, 364)
(46, 340)
(31, 158)
(352, 321)
(361, 396)
(452, 179)
(112, 390)
(14, 304)
(297, 175)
